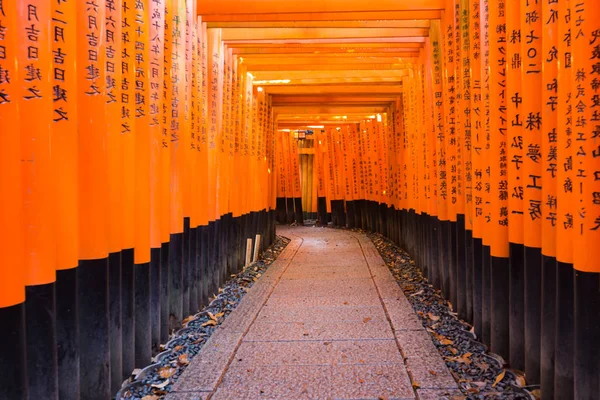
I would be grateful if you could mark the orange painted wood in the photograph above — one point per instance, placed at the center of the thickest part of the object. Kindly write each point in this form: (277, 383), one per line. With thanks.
(12, 278)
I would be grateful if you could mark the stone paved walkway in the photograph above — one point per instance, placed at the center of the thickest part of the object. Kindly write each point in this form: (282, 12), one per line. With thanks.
(326, 321)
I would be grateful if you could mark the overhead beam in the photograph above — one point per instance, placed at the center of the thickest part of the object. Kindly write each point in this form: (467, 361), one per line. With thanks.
(334, 42)
(233, 34)
(228, 16)
(328, 67)
(313, 6)
(333, 89)
(411, 23)
(324, 109)
(264, 57)
(346, 60)
(336, 80)
(336, 104)
(348, 46)
(331, 99)
(299, 75)
(245, 50)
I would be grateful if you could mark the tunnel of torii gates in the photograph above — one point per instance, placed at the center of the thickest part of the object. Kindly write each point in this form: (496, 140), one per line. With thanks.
(144, 143)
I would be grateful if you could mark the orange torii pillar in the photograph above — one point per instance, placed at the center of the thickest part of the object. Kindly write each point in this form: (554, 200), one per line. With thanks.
(565, 319)
(320, 175)
(13, 376)
(158, 269)
(127, 130)
(585, 210)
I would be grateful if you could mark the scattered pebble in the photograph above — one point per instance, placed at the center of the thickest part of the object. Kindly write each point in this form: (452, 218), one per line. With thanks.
(156, 380)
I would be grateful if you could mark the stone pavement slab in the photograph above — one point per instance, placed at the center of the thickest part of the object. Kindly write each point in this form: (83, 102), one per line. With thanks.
(326, 321)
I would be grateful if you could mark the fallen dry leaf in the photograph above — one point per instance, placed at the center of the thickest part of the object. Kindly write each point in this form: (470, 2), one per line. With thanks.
(177, 348)
(432, 372)
(183, 359)
(519, 377)
(367, 319)
(210, 322)
(415, 385)
(499, 378)
(219, 315)
(160, 385)
(433, 317)
(188, 319)
(383, 398)
(211, 316)
(166, 372)
(151, 397)
(537, 393)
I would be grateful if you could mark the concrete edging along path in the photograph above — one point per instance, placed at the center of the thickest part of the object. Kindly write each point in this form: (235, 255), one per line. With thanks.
(326, 321)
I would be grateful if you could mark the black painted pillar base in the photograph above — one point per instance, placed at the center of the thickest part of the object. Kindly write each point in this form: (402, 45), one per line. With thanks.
(298, 211)
(204, 258)
(289, 217)
(165, 279)
(435, 264)
(238, 239)
(127, 312)
(273, 220)
(143, 325)
(334, 213)
(477, 285)
(486, 295)
(444, 245)
(197, 286)
(517, 306)
(155, 293)
(67, 334)
(223, 230)
(342, 214)
(215, 266)
(233, 245)
(461, 268)
(40, 324)
(533, 311)
(116, 325)
(262, 222)
(358, 209)
(175, 281)
(469, 275)
(281, 210)
(548, 325)
(245, 235)
(13, 358)
(565, 331)
(587, 333)
(453, 258)
(499, 328)
(351, 214)
(382, 218)
(94, 344)
(322, 211)
(185, 270)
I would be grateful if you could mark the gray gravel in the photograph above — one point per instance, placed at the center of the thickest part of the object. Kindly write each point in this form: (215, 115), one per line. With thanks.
(156, 380)
(479, 373)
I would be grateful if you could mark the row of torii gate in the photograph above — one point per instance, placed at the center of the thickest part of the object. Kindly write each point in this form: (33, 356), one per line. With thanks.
(143, 143)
